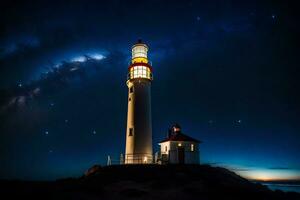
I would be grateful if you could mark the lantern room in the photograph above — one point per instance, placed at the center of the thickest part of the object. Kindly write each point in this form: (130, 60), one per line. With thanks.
(140, 66)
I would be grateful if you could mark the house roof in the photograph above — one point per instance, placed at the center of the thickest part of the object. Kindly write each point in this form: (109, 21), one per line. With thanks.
(179, 137)
(175, 134)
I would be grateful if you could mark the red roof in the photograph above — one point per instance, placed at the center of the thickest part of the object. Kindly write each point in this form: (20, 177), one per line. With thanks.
(179, 137)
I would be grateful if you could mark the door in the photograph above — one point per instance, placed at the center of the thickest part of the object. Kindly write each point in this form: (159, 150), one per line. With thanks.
(181, 155)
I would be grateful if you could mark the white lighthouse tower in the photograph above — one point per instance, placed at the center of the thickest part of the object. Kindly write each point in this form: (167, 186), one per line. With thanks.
(139, 123)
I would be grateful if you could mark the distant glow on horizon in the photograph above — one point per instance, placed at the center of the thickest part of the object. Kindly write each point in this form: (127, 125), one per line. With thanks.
(267, 174)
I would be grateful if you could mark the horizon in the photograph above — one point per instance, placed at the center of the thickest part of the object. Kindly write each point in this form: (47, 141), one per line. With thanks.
(224, 71)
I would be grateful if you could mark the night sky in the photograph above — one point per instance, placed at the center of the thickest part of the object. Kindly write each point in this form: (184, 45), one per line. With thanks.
(225, 71)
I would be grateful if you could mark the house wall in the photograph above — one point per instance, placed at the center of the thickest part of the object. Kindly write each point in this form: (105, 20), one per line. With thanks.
(190, 157)
(165, 147)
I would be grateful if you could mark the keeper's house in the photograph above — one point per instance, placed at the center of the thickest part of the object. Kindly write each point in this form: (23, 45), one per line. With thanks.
(178, 148)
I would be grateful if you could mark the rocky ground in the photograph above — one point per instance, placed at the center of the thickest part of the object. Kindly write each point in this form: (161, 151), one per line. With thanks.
(146, 182)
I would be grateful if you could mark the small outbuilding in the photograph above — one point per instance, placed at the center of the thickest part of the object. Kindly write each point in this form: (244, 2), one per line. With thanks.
(178, 148)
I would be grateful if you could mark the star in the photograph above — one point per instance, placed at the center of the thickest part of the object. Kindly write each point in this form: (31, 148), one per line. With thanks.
(20, 85)
(51, 104)
(46, 132)
(94, 132)
(198, 18)
(66, 121)
(273, 16)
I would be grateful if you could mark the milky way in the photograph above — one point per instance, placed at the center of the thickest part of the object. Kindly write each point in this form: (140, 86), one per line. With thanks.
(57, 78)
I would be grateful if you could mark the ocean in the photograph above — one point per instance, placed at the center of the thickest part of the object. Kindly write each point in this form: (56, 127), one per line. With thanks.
(283, 187)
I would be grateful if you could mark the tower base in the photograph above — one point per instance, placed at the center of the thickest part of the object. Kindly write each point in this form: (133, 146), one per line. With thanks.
(138, 159)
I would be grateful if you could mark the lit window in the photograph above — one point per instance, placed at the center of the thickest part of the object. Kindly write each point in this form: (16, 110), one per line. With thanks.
(176, 129)
(140, 72)
(192, 147)
(145, 159)
(130, 131)
(179, 144)
(139, 51)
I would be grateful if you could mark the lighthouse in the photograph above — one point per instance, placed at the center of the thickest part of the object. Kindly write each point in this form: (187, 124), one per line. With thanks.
(139, 122)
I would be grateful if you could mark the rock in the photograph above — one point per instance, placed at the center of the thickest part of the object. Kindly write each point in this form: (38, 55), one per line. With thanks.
(147, 182)
(94, 169)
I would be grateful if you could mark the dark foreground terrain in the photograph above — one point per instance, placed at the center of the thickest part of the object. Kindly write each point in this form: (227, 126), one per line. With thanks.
(146, 182)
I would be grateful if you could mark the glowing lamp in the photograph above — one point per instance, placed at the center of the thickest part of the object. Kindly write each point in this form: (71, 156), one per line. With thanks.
(139, 53)
(140, 67)
(145, 159)
(176, 129)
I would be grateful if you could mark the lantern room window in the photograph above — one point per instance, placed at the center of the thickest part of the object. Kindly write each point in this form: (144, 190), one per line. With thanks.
(140, 72)
(139, 51)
